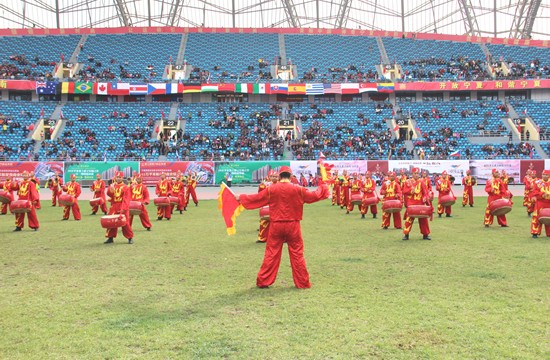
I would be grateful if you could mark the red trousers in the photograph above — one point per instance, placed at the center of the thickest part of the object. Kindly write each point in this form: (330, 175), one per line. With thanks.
(488, 220)
(144, 217)
(4, 209)
(336, 195)
(55, 195)
(126, 229)
(279, 233)
(264, 230)
(468, 196)
(424, 225)
(536, 226)
(191, 191)
(443, 209)
(33, 219)
(103, 206)
(396, 220)
(76, 211)
(164, 211)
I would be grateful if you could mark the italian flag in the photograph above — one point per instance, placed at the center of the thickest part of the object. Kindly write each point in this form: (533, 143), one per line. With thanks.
(244, 88)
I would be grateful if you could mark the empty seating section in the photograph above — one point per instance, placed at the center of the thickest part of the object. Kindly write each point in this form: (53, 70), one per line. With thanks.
(425, 59)
(528, 58)
(17, 116)
(538, 111)
(324, 52)
(228, 132)
(43, 50)
(101, 135)
(232, 53)
(129, 56)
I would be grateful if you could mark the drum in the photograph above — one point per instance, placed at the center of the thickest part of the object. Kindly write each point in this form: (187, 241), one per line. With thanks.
(97, 202)
(264, 213)
(391, 206)
(447, 200)
(356, 199)
(113, 221)
(500, 207)
(174, 200)
(66, 200)
(5, 197)
(20, 206)
(136, 207)
(419, 211)
(370, 201)
(162, 201)
(544, 216)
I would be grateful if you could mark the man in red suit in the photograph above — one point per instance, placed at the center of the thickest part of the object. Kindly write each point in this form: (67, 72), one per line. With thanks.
(55, 185)
(355, 186)
(141, 193)
(178, 190)
(369, 192)
(7, 187)
(496, 190)
(529, 187)
(72, 188)
(120, 195)
(344, 189)
(98, 188)
(444, 187)
(286, 204)
(263, 230)
(391, 190)
(191, 186)
(417, 194)
(541, 194)
(163, 189)
(468, 196)
(335, 188)
(428, 182)
(26, 190)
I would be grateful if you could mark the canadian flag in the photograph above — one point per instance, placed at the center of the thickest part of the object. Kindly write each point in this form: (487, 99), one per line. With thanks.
(102, 88)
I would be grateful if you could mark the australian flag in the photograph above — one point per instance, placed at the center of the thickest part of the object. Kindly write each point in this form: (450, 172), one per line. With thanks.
(46, 87)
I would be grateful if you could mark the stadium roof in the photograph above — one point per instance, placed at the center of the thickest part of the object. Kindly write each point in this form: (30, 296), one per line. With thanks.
(494, 18)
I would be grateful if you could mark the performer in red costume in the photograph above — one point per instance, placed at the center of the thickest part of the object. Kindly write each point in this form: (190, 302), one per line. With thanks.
(529, 187)
(335, 188)
(391, 190)
(541, 194)
(164, 188)
(98, 188)
(192, 184)
(444, 187)
(36, 182)
(120, 195)
(263, 230)
(496, 190)
(178, 190)
(428, 182)
(55, 184)
(141, 193)
(417, 194)
(505, 180)
(72, 188)
(286, 203)
(468, 196)
(7, 186)
(369, 191)
(26, 190)
(344, 189)
(355, 186)
(526, 183)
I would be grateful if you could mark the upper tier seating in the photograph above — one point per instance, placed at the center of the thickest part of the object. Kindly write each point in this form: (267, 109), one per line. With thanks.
(524, 62)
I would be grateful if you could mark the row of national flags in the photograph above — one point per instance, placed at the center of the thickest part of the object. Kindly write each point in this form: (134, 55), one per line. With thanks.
(119, 88)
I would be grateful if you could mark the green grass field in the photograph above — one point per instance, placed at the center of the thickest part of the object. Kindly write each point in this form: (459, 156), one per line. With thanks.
(186, 290)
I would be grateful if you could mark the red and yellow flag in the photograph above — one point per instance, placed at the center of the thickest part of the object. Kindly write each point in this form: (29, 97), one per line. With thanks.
(230, 208)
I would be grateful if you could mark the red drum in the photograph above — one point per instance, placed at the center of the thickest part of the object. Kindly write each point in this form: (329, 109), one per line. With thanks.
(97, 202)
(264, 213)
(544, 216)
(419, 211)
(431, 196)
(20, 206)
(113, 221)
(136, 207)
(162, 201)
(66, 200)
(447, 200)
(500, 207)
(391, 206)
(5, 197)
(370, 201)
(174, 200)
(356, 199)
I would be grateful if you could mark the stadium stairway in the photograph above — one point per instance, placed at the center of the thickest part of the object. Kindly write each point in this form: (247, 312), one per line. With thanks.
(282, 48)
(181, 52)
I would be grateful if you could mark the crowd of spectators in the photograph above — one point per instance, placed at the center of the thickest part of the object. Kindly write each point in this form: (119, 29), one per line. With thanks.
(18, 67)
(350, 73)
(258, 72)
(459, 68)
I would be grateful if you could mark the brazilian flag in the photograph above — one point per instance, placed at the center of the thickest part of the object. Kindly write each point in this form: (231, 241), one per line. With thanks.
(83, 88)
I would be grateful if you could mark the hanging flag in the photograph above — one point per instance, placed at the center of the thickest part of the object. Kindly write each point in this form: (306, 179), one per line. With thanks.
(386, 87)
(332, 88)
(138, 89)
(315, 89)
(365, 87)
(119, 89)
(455, 154)
(67, 88)
(244, 88)
(156, 89)
(46, 87)
(258, 88)
(101, 88)
(227, 87)
(350, 88)
(279, 88)
(209, 87)
(191, 88)
(297, 89)
(83, 88)
(174, 88)
(230, 208)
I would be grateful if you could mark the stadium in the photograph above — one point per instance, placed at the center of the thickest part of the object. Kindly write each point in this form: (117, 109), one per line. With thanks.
(211, 88)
